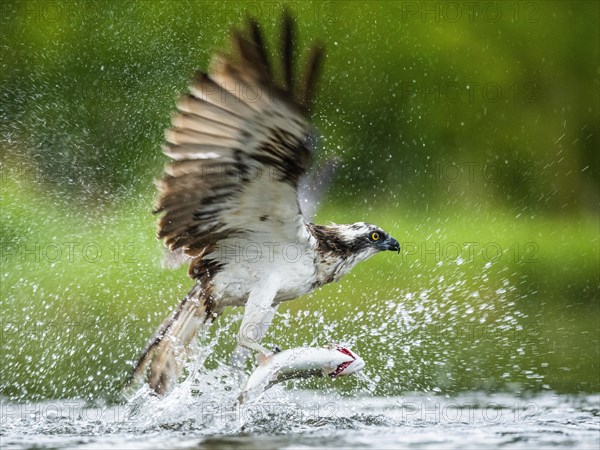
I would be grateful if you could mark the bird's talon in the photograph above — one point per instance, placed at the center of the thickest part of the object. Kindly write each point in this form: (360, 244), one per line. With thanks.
(276, 349)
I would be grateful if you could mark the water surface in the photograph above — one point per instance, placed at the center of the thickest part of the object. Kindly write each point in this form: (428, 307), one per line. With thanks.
(309, 419)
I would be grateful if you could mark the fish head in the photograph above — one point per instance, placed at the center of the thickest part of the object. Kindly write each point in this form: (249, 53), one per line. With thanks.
(352, 364)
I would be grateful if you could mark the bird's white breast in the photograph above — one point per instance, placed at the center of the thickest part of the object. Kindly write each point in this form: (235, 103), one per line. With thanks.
(247, 263)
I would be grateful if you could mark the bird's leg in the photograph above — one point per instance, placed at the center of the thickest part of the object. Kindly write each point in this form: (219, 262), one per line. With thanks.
(240, 356)
(254, 346)
(254, 326)
(258, 316)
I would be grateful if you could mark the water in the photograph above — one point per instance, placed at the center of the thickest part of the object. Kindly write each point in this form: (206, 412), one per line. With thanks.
(296, 418)
(371, 410)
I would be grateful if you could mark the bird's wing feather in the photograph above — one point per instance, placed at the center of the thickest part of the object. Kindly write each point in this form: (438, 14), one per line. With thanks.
(313, 185)
(239, 145)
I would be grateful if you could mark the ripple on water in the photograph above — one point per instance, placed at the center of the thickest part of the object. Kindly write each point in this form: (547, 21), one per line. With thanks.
(292, 418)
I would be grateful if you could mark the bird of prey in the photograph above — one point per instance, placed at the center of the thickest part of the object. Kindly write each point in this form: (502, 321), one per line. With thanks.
(241, 146)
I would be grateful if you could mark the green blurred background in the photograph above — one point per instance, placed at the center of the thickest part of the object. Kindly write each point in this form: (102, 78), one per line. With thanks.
(468, 130)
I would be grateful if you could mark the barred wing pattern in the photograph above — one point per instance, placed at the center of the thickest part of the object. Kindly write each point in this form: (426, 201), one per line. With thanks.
(239, 142)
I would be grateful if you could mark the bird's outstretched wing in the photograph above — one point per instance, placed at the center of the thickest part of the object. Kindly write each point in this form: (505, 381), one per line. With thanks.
(240, 142)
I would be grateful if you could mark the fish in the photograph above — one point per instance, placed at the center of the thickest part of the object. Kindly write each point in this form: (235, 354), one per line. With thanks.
(300, 362)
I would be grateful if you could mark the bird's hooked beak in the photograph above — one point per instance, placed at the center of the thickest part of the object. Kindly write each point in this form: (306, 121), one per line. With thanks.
(391, 244)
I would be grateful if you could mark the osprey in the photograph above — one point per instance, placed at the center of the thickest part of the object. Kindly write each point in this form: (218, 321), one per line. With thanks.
(241, 146)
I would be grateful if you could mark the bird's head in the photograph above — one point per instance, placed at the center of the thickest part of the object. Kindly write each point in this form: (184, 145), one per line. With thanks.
(355, 242)
(343, 246)
(362, 237)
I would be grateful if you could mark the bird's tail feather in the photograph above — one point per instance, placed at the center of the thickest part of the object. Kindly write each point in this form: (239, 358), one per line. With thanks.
(173, 343)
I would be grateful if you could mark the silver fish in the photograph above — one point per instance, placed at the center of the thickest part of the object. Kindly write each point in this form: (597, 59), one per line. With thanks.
(300, 362)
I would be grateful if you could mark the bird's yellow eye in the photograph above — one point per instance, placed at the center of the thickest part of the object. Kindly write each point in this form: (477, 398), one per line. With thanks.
(375, 236)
